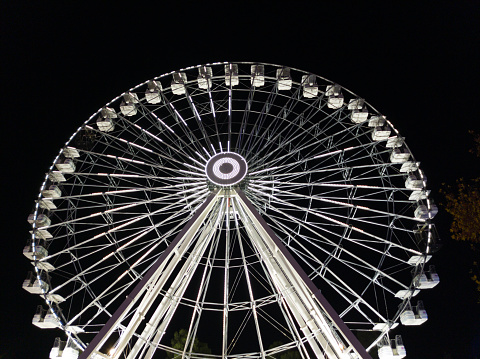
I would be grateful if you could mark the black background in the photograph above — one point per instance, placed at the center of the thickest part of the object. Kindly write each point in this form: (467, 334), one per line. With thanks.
(416, 62)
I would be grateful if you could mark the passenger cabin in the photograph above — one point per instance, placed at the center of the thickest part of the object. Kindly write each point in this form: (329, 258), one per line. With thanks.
(64, 349)
(67, 165)
(45, 319)
(310, 87)
(52, 192)
(179, 79)
(425, 212)
(416, 260)
(257, 75)
(409, 167)
(35, 285)
(56, 176)
(356, 104)
(46, 203)
(36, 251)
(399, 155)
(427, 280)
(419, 195)
(70, 152)
(414, 315)
(376, 121)
(335, 97)
(41, 220)
(231, 75)
(105, 121)
(414, 181)
(391, 349)
(128, 106)
(152, 95)
(381, 133)
(394, 141)
(204, 78)
(360, 115)
(284, 80)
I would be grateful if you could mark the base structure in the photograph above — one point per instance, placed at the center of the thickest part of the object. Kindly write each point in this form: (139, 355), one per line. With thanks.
(142, 319)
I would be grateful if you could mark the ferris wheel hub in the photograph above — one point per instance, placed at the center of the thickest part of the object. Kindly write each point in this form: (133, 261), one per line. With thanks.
(226, 169)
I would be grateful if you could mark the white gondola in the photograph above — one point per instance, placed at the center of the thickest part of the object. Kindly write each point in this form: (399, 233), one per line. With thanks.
(38, 253)
(34, 284)
(419, 195)
(376, 121)
(204, 78)
(381, 133)
(394, 141)
(41, 234)
(28, 284)
(105, 124)
(152, 95)
(385, 351)
(409, 166)
(414, 181)
(333, 90)
(414, 315)
(427, 280)
(257, 77)
(52, 192)
(335, 102)
(42, 220)
(231, 75)
(57, 349)
(415, 260)
(356, 104)
(46, 203)
(310, 87)
(71, 351)
(70, 152)
(425, 212)
(284, 80)
(360, 115)
(406, 293)
(179, 80)
(108, 112)
(399, 155)
(56, 176)
(44, 266)
(66, 166)
(45, 319)
(56, 298)
(128, 106)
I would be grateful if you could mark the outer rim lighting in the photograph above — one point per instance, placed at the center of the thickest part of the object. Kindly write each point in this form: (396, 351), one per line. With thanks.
(233, 176)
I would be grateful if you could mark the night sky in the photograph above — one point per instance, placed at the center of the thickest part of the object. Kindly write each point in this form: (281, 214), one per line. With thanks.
(417, 63)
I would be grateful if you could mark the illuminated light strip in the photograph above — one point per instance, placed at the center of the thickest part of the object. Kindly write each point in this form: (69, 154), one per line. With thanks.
(334, 152)
(138, 146)
(163, 123)
(194, 160)
(176, 112)
(196, 168)
(213, 148)
(265, 170)
(194, 108)
(199, 155)
(211, 104)
(148, 133)
(230, 102)
(208, 154)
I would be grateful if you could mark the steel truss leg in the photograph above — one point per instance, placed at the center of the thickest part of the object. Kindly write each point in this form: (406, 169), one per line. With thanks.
(316, 317)
(150, 285)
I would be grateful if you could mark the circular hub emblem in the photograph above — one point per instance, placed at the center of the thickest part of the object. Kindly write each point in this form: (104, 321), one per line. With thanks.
(226, 168)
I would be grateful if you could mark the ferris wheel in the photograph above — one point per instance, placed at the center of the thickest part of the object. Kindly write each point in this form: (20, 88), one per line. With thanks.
(253, 207)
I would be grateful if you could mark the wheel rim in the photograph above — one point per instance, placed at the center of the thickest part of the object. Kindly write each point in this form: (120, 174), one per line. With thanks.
(330, 192)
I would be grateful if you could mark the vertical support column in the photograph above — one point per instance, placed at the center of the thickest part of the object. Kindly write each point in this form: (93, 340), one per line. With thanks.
(314, 314)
